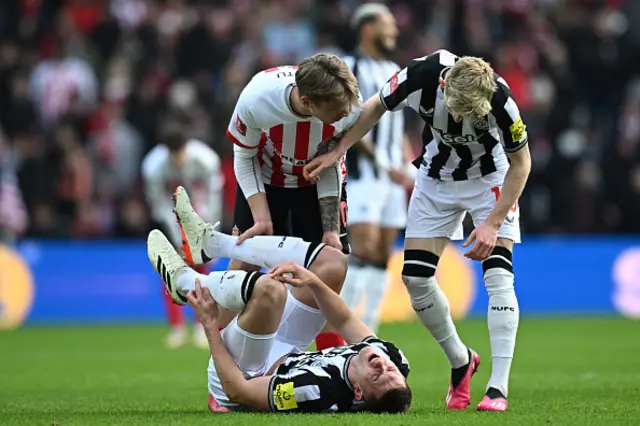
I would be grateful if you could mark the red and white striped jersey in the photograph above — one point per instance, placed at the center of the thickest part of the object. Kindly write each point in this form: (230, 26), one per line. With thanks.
(200, 174)
(285, 142)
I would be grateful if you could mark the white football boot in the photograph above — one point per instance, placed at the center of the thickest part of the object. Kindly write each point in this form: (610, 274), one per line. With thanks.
(192, 228)
(167, 263)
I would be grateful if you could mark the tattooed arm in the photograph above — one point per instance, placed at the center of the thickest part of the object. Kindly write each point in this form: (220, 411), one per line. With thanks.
(329, 187)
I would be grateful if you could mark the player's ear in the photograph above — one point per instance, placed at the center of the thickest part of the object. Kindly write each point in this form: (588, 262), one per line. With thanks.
(304, 100)
(442, 82)
(357, 391)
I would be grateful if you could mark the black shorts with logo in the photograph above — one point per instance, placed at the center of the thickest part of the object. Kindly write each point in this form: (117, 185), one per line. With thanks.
(295, 212)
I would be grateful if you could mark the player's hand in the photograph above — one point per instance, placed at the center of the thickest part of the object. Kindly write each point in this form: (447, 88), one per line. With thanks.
(485, 237)
(401, 178)
(294, 274)
(203, 304)
(261, 227)
(332, 239)
(312, 170)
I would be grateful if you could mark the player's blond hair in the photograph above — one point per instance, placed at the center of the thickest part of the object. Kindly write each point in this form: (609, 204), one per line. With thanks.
(324, 77)
(469, 87)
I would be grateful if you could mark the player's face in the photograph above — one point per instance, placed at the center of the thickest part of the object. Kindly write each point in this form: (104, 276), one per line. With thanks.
(376, 374)
(386, 33)
(329, 112)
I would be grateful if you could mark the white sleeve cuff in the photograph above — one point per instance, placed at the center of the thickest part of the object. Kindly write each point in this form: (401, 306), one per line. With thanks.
(248, 174)
(330, 182)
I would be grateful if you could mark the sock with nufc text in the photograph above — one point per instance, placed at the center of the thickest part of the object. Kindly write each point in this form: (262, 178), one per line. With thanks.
(232, 290)
(502, 317)
(432, 307)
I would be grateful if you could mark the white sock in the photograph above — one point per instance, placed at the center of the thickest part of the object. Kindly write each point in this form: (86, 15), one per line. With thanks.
(431, 305)
(375, 288)
(264, 251)
(502, 318)
(231, 289)
(353, 288)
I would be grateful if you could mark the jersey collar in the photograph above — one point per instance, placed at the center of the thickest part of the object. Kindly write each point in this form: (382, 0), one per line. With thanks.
(287, 100)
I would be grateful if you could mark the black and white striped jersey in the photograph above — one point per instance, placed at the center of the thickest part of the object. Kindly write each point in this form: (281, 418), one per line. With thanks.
(387, 134)
(318, 381)
(455, 151)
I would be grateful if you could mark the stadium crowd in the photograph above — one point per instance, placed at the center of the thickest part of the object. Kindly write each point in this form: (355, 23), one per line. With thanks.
(85, 85)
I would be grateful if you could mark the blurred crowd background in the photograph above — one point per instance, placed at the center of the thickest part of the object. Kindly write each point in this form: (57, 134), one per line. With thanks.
(85, 84)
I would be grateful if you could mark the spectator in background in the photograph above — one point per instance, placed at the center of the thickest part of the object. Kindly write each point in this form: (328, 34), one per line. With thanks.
(13, 215)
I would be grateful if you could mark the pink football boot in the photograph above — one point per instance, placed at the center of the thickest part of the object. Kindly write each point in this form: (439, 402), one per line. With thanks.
(458, 398)
(494, 400)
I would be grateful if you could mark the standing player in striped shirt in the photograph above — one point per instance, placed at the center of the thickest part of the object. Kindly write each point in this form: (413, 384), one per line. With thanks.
(476, 159)
(376, 165)
(283, 118)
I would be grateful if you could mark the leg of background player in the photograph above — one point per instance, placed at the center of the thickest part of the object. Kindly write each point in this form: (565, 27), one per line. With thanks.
(365, 240)
(378, 278)
(175, 313)
(502, 320)
(199, 337)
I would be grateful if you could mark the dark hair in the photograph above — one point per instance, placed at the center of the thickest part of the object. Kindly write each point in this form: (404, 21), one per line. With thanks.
(174, 137)
(397, 400)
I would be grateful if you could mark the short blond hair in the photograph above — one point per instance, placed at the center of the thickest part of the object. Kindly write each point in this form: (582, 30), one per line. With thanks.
(324, 77)
(469, 87)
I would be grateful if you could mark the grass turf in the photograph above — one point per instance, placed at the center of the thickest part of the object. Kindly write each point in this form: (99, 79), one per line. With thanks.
(583, 371)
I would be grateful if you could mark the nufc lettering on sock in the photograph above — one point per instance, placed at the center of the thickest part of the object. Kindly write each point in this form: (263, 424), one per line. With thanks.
(503, 308)
(282, 242)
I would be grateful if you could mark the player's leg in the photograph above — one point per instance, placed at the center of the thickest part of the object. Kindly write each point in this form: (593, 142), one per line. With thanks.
(433, 219)
(306, 223)
(243, 220)
(364, 236)
(503, 312)
(393, 217)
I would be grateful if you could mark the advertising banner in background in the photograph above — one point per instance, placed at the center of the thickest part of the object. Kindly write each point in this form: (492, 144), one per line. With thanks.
(113, 282)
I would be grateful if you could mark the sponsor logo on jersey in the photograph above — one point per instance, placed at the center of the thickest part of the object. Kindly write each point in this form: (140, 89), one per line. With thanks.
(517, 129)
(427, 112)
(240, 126)
(284, 397)
(451, 139)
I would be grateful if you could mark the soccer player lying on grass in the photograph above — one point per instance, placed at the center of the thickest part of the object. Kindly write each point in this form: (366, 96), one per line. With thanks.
(259, 361)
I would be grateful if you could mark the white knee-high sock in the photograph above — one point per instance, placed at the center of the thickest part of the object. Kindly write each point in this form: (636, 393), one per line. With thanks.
(431, 305)
(353, 288)
(502, 317)
(375, 287)
(231, 289)
(264, 251)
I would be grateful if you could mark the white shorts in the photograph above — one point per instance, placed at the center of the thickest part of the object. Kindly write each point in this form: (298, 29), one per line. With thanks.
(437, 208)
(255, 354)
(381, 203)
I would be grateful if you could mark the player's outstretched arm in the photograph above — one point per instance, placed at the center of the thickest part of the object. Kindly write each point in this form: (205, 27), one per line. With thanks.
(254, 394)
(335, 310)
(372, 110)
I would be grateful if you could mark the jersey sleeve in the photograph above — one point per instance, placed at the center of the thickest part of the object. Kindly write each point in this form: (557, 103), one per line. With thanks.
(404, 88)
(302, 391)
(513, 131)
(395, 355)
(243, 130)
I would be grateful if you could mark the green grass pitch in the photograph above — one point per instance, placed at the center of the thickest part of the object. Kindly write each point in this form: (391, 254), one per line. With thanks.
(582, 371)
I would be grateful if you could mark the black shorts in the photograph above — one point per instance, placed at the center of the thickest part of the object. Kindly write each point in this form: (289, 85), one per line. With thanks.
(295, 212)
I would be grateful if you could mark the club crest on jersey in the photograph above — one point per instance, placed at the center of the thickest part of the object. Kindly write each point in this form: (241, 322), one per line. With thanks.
(240, 126)
(451, 139)
(480, 123)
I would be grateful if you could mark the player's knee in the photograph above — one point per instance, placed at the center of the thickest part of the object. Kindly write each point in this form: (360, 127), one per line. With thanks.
(269, 292)
(418, 274)
(331, 267)
(498, 271)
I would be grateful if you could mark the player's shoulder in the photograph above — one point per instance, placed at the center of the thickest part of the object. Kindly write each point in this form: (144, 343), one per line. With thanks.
(202, 153)
(155, 160)
(434, 63)
(502, 95)
(264, 97)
